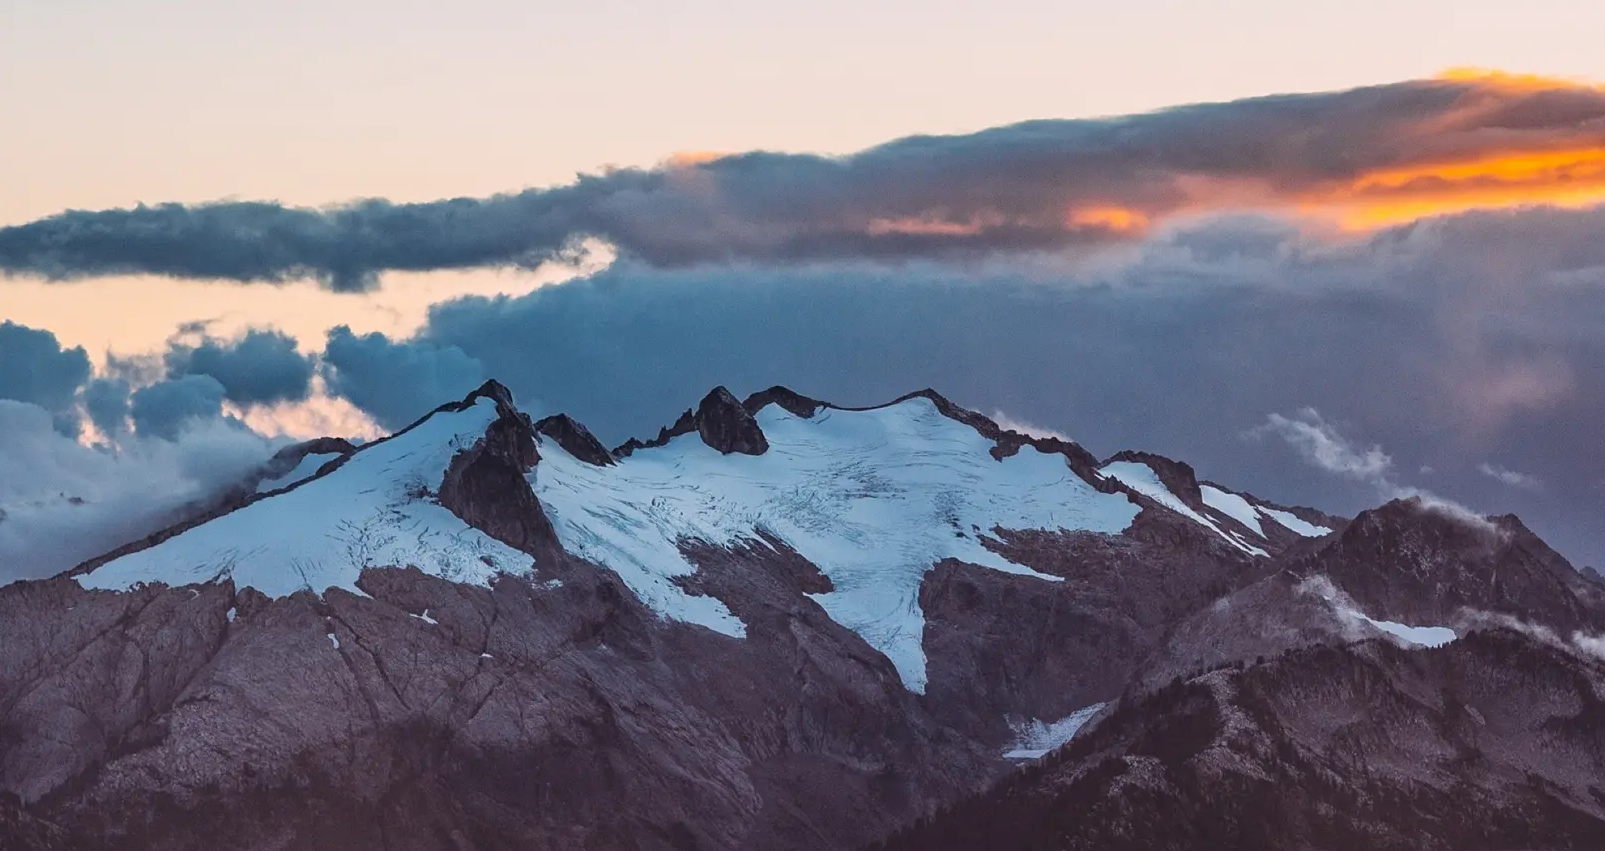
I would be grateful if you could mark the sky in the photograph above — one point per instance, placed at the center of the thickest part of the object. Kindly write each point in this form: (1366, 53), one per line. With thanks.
(1284, 242)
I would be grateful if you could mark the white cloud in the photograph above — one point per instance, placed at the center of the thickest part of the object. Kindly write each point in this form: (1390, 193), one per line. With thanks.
(1513, 478)
(1320, 444)
(63, 502)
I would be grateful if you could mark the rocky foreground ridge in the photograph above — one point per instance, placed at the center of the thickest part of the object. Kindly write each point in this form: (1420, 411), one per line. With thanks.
(783, 624)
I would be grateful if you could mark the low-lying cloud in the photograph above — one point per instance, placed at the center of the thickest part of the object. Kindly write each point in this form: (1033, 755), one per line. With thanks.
(1363, 157)
(62, 502)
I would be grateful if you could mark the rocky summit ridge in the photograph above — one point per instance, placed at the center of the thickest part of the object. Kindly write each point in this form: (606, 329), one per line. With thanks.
(785, 624)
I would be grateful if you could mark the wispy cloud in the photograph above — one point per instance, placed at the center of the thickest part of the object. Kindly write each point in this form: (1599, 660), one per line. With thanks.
(1009, 423)
(1320, 444)
(1364, 157)
(1525, 481)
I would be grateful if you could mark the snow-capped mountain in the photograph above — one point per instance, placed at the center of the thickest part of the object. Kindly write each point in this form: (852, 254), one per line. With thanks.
(779, 624)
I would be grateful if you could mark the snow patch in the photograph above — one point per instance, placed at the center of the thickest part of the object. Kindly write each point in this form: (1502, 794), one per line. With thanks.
(1035, 739)
(1346, 610)
(1293, 523)
(1423, 636)
(1233, 506)
(376, 512)
(873, 498)
(334, 641)
(425, 618)
(1141, 478)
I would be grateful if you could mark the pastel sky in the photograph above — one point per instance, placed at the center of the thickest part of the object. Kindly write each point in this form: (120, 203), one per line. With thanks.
(109, 103)
(1385, 280)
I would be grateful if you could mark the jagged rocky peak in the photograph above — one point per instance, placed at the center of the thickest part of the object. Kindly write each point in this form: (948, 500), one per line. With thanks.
(1177, 476)
(1420, 561)
(575, 438)
(728, 426)
(785, 397)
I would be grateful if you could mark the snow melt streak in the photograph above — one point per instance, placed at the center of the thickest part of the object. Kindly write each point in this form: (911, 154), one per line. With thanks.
(376, 512)
(1294, 523)
(873, 498)
(1142, 479)
(1233, 506)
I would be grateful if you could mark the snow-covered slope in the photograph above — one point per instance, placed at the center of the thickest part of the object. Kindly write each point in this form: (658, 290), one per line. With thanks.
(1141, 478)
(375, 510)
(874, 498)
(1293, 523)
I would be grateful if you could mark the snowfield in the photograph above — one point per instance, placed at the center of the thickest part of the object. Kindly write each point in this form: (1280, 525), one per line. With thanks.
(1293, 523)
(1141, 478)
(873, 498)
(374, 511)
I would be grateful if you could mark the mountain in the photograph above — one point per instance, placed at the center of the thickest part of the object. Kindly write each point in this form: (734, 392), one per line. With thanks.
(786, 624)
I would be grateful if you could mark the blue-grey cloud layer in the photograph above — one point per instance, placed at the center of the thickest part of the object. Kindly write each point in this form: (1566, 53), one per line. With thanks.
(397, 383)
(1037, 185)
(261, 367)
(35, 368)
(1454, 343)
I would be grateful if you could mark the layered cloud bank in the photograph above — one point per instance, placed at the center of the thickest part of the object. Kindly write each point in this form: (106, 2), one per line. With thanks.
(1362, 157)
(1378, 354)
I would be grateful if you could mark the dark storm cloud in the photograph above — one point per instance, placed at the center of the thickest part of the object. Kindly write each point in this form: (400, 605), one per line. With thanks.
(35, 368)
(262, 367)
(1448, 344)
(163, 409)
(1041, 185)
(106, 402)
(397, 382)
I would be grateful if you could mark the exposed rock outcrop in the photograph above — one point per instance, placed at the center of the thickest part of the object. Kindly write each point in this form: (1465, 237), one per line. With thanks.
(1487, 744)
(575, 439)
(1414, 562)
(485, 485)
(785, 397)
(1178, 477)
(727, 426)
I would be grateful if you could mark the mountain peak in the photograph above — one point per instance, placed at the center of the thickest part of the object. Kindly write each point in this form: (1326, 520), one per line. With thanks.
(726, 425)
(1177, 476)
(575, 438)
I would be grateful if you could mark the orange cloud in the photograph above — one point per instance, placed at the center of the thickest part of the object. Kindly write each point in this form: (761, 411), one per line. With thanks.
(1495, 78)
(688, 159)
(1568, 178)
(1110, 218)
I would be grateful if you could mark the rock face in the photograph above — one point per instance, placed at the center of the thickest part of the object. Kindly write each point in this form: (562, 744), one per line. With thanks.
(1492, 742)
(1177, 476)
(1417, 563)
(485, 486)
(487, 687)
(727, 426)
(786, 398)
(575, 439)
